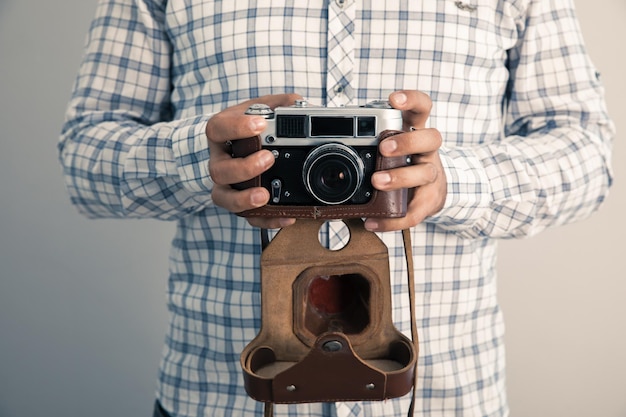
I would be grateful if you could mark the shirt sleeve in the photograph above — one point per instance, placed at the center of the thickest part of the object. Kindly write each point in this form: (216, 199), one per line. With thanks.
(552, 164)
(122, 154)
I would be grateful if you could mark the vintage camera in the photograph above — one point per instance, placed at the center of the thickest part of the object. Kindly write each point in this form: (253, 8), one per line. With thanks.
(325, 158)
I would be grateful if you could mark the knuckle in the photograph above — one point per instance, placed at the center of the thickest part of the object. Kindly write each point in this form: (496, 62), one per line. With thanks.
(216, 175)
(413, 219)
(248, 173)
(236, 201)
(292, 97)
(438, 137)
(257, 222)
(425, 101)
(431, 172)
(212, 128)
(250, 167)
(417, 211)
(429, 102)
(239, 206)
(217, 195)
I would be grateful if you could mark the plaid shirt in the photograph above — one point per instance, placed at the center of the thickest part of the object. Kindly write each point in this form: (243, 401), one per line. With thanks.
(526, 146)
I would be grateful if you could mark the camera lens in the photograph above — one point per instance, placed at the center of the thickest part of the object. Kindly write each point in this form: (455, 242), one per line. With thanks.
(333, 173)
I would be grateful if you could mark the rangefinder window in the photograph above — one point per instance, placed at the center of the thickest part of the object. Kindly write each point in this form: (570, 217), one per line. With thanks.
(291, 126)
(332, 126)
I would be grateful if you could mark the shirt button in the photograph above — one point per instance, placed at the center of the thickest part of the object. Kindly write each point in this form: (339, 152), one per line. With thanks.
(339, 89)
(340, 3)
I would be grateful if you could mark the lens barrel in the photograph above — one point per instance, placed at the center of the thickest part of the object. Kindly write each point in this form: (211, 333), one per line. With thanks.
(332, 173)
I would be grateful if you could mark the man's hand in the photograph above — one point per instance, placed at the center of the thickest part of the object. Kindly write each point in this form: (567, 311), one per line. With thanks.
(232, 124)
(425, 178)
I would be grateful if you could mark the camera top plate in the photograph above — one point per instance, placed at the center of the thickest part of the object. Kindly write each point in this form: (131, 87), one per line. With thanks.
(305, 125)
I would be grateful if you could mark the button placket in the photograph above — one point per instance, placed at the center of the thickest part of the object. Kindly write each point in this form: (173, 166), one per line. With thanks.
(341, 44)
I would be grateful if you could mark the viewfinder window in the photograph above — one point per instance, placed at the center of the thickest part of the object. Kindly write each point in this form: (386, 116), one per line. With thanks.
(366, 126)
(332, 126)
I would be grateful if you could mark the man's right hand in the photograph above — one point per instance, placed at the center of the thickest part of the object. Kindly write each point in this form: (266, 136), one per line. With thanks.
(232, 124)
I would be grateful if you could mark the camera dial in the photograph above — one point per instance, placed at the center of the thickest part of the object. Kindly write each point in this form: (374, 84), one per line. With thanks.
(378, 104)
(259, 109)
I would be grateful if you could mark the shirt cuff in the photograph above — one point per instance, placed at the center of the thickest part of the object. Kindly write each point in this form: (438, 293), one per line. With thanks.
(191, 152)
(468, 193)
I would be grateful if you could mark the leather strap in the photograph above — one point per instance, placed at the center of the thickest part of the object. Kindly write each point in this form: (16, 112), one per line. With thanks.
(408, 254)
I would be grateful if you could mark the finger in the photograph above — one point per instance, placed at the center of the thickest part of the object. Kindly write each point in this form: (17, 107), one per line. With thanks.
(237, 201)
(275, 100)
(405, 177)
(422, 205)
(411, 143)
(233, 123)
(270, 222)
(225, 170)
(229, 124)
(391, 224)
(415, 106)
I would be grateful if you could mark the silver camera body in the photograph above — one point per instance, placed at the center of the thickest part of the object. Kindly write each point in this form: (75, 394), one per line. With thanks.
(324, 156)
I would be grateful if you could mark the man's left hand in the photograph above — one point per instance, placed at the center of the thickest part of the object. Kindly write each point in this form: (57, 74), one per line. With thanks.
(425, 177)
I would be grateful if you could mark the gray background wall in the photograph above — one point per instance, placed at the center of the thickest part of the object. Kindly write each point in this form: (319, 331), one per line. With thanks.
(82, 303)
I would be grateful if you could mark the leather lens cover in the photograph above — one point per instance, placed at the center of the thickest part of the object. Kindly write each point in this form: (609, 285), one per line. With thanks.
(290, 361)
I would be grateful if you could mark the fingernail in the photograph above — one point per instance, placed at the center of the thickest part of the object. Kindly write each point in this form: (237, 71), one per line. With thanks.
(257, 124)
(371, 225)
(266, 159)
(382, 178)
(399, 98)
(388, 146)
(258, 198)
(286, 222)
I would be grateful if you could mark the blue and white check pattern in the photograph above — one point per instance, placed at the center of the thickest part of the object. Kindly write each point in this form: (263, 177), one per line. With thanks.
(526, 146)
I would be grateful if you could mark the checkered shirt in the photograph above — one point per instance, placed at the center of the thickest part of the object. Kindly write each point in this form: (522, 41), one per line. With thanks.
(526, 146)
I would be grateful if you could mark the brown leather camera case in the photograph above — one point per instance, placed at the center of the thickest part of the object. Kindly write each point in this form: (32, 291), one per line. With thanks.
(302, 354)
(382, 204)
